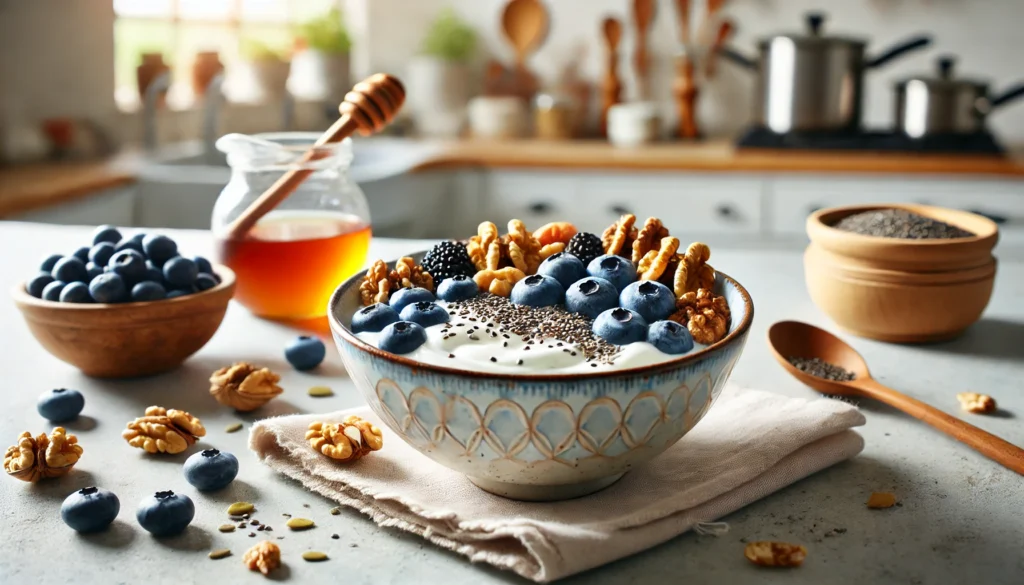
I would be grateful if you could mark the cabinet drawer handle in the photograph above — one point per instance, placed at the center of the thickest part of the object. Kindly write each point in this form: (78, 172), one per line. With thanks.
(998, 219)
(619, 209)
(540, 207)
(726, 211)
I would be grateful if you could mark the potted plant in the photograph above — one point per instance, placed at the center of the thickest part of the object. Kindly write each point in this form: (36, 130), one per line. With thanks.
(320, 68)
(439, 78)
(259, 76)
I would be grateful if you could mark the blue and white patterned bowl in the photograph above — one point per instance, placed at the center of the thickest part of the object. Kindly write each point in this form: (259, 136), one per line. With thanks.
(537, 436)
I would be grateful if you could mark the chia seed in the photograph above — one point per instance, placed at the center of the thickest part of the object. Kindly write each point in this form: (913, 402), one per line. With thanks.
(822, 369)
(901, 224)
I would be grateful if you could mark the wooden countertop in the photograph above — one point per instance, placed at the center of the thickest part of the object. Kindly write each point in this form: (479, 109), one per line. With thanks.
(25, 188)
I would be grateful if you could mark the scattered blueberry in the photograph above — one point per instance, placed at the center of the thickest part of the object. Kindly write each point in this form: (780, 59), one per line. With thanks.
(90, 509)
(165, 513)
(537, 290)
(50, 262)
(402, 337)
(76, 292)
(70, 269)
(36, 285)
(653, 300)
(60, 405)
(203, 265)
(129, 265)
(108, 288)
(148, 290)
(51, 292)
(205, 281)
(620, 326)
(82, 254)
(408, 296)
(159, 248)
(180, 272)
(457, 288)
(173, 294)
(93, 270)
(591, 296)
(374, 318)
(100, 253)
(615, 269)
(211, 469)
(670, 337)
(132, 243)
(563, 267)
(425, 313)
(305, 352)
(106, 233)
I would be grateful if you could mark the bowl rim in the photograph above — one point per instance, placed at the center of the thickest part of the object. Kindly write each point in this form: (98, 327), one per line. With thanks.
(20, 295)
(349, 337)
(838, 212)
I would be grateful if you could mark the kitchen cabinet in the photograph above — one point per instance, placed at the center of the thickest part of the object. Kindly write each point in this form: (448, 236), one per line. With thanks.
(115, 205)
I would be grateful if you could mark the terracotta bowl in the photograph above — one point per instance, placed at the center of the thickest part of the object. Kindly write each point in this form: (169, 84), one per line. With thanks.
(902, 291)
(540, 436)
(131, 339)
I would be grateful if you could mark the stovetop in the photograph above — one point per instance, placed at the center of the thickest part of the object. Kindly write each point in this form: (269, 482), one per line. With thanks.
(979, 143)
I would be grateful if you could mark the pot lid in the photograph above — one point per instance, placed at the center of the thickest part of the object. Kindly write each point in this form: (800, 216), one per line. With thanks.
(814, 37)
(944, 79)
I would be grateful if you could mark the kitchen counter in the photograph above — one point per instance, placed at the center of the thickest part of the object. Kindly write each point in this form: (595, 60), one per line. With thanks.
(959, 518)
(26, 188)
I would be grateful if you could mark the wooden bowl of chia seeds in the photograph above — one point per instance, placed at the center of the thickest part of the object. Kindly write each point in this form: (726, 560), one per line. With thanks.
(900, 273)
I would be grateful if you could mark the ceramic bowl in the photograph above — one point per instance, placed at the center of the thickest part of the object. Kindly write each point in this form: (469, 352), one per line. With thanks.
(130, 339)
(537, 436)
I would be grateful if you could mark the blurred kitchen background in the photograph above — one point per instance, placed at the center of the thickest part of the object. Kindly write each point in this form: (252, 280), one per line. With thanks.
(535, 109)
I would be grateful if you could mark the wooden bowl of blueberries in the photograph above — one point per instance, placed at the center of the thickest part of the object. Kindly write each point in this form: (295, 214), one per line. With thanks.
(125, 307)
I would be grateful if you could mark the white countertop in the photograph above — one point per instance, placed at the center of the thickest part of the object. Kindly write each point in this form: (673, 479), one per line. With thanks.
(960, 519)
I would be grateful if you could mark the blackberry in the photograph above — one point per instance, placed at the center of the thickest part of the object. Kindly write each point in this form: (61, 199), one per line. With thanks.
(448, 259)
(585, 246)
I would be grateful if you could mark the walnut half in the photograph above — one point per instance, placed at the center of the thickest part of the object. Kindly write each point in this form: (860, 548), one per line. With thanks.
(705, 314)
(264, 557)
(42, 457)
(348, 441)
(163, 431)
(775, 554)
(976, 403)
(244, 387)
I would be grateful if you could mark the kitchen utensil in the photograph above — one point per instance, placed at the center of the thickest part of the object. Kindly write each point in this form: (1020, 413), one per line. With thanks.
(685, 89)
(795, 339)
(632, 124)
(525, 24)
(497, 117)
(643, 15)
(683, 13)
(706, 30)
(131, 339)
(553, 116)
(725, 30)
(814, 82)
(946, 105)
(611, 89)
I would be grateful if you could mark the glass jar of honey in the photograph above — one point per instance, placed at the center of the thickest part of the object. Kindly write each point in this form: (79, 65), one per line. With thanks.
(290, 262)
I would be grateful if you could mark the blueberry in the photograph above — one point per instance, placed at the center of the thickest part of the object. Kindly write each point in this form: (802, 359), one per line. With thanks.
(106, 233)
(36, 285)
(457, 288)
(203, 265)
(70, 269)
(129, 265)
(426, 313)
(132, 243)
(180, 272)
(402, 337)
(305, 352)
(148, 290)
(100, 253)
(374, 318)
(165, 513)
(50, 262)
(408, 296)
(154, 273)
(211, 469)
(563, 267)
(537, 290)
(159, 248)
(82, 254)
(591, 297)
(93, 270)
(173, 294)
(620, 326)
(90, 509)
(108, 288)
(51, 292)
(615, 269)
(653, 300)
(205, 281)
(76, 292)
(60, 405)
(669, 337)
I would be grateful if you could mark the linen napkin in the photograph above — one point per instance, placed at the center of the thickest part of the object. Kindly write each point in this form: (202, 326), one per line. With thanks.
(749, 444)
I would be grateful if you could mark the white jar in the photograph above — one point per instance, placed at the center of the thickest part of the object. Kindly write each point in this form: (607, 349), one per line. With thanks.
(497, 117)
(633, 124)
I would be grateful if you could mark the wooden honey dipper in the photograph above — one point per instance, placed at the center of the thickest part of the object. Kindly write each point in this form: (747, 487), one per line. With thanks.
(368, 107)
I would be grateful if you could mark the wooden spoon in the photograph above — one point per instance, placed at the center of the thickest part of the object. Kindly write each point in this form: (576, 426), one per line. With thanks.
(683, 12)
(525, 22)
(611, 91)
(724, 31)
(643, 15)
(796, 339)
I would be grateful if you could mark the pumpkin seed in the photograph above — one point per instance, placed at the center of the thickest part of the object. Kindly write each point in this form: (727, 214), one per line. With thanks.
(300, 523)
(219, 553)
(320, 391)
(226, 528)
(240, 508)
(314, 556)
(335, 511)
(233, 428)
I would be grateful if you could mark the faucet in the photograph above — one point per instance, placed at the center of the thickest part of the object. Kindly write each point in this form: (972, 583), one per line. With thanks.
(150, 99)
(212, 101)
(287, 111)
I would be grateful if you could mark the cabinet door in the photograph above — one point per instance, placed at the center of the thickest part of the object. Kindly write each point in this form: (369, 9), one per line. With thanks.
(536, 197)
(114, 206)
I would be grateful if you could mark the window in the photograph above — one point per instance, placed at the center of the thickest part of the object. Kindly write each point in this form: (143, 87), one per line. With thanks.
(179, 29)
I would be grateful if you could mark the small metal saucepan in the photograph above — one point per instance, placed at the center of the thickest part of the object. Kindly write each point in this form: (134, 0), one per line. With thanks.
(928, 106)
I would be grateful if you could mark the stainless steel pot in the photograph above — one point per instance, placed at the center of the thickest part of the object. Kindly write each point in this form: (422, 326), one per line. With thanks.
(813, 82)
(927, 106)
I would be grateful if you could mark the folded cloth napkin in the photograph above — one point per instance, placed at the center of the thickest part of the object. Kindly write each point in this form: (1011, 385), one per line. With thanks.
(750, 444)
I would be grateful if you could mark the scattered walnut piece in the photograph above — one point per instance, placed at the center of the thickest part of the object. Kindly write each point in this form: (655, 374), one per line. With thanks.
(705, 314)
(244, 387)
(775, 554)
(618, 238)
(480, 245)
(881, 500)
(263, 557)
(523, 247)
(551, 249)
(347, 441)
(652, 232)
(693, 271)
(656, 261)
(499, 282)
(42, 457)
(408, 274)
(163, 431)
(375, 286)
(976, 403)
(556, 232)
